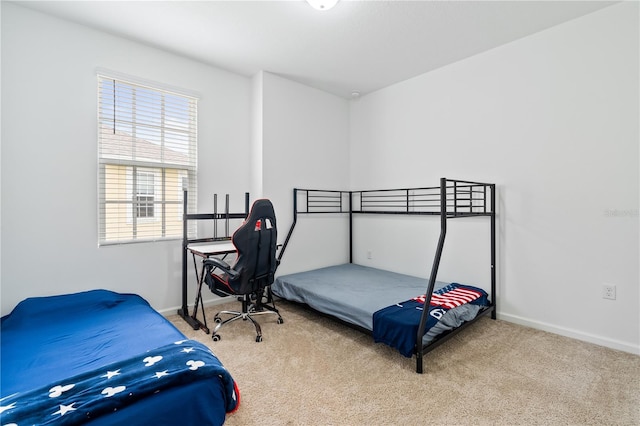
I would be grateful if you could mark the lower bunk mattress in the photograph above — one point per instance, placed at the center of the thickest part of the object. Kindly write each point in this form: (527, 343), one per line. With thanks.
(385, 303)
(104, 358)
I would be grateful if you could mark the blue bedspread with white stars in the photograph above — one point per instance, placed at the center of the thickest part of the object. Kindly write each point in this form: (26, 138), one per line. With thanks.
(103, 358)
(76, 400)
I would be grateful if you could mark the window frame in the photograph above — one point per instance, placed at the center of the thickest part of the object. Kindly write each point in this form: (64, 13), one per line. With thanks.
(170, 153)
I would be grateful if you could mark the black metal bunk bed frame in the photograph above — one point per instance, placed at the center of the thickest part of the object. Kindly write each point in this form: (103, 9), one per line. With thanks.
(452, 199)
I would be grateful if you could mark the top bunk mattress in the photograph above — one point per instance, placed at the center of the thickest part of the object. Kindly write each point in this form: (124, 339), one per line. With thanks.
(350, 292)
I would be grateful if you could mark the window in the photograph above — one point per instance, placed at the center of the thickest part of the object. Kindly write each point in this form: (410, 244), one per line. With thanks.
(144, 194)
(147, 147)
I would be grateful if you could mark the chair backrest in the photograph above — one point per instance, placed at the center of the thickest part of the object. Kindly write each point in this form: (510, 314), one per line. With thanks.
(255, 241)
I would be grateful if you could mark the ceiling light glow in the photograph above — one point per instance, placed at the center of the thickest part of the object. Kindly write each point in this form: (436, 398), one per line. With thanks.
(322, 4)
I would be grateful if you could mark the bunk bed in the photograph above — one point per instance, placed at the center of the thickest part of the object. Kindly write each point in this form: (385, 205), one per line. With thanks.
(104, 358)
(389, 305)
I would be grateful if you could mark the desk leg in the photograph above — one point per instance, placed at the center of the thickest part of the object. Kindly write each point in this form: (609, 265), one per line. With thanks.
(184, 311)
(199, 304)
(199, 299)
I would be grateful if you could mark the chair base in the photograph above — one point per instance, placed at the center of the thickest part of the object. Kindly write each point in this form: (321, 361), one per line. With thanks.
(250, 308)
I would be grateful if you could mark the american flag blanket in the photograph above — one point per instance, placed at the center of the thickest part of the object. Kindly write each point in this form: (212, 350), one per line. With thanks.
(397, 325)
(87, 396)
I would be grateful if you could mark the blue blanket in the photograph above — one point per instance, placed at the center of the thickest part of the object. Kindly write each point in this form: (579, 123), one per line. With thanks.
(84, 397)
(397, 325)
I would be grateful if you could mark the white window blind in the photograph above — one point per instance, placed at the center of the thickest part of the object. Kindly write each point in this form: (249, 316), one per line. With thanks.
(147, 148)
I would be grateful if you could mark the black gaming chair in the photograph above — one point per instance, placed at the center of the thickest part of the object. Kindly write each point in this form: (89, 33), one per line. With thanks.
(252, 274)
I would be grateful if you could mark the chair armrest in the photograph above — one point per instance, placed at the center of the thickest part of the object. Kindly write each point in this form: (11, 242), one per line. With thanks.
(212, 262)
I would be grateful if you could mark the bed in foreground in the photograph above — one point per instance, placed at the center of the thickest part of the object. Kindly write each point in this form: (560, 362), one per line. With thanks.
(389, 305)
(104, 358)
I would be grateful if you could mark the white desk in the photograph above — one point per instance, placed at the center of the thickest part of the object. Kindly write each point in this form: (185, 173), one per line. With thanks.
(212, 249)
(204, 247)
(206, 250)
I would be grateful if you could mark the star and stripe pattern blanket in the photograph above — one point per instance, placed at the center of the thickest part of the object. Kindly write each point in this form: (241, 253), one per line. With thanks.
(397, 325)
(79, 399)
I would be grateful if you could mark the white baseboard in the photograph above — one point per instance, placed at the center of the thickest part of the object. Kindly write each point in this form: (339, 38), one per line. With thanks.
(579, 335)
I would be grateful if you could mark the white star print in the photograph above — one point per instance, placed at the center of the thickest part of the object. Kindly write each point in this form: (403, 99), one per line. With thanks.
(161, 374)
(110, 374)
(188, 350)
(64, 409)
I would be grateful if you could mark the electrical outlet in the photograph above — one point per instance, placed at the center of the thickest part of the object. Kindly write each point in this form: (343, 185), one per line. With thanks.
(369, 254)
(609, 291)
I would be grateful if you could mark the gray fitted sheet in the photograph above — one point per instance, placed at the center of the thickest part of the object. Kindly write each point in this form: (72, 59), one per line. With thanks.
(350, 292)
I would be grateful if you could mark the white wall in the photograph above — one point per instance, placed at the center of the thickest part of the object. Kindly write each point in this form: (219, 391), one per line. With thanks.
(553, 120)
(256, 135)
(49, 161)
(305, 145)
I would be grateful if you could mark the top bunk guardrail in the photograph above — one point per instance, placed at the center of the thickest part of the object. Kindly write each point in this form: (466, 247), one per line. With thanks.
(310, 201)
(452, 199)
(455, 198)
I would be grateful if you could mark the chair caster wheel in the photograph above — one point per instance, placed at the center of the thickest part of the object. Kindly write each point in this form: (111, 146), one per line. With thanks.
(258, 339)
(217, 319)
(280, 321)
(216, 337)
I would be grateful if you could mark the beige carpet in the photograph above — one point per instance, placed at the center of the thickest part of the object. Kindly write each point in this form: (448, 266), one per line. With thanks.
(313, 371)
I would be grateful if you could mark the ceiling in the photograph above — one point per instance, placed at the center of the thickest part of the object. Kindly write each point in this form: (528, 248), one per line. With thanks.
(358, 46)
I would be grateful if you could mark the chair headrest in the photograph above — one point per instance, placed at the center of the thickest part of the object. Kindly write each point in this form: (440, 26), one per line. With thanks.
(261, 217)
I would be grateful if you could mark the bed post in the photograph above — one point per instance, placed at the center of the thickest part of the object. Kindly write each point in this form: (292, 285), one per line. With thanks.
(493, 251)
(434, 273)
(293, 224)
(350, 225)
